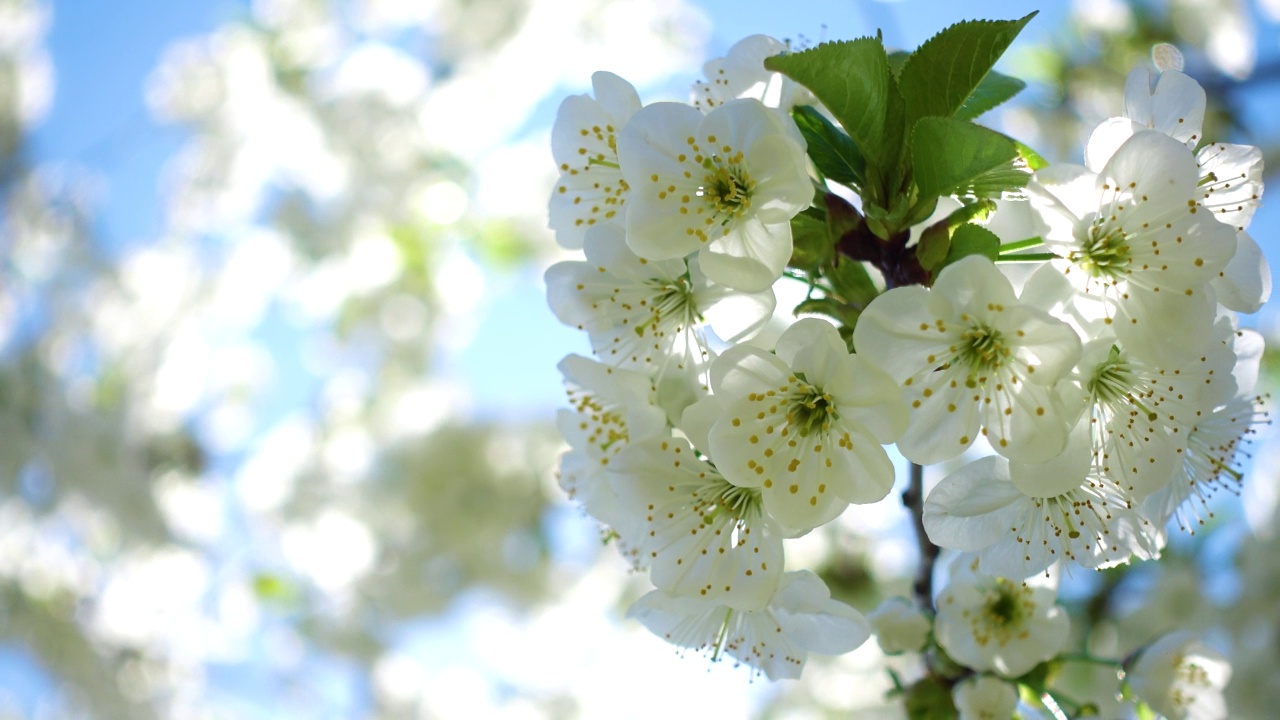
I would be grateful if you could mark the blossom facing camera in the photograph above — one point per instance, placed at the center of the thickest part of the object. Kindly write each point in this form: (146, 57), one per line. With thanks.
(724, 185)
(1000, 625)
(805, 425)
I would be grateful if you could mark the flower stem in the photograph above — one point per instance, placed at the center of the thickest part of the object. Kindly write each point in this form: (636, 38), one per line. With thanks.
(913, 498)
(1028, 257)
(1020, 245)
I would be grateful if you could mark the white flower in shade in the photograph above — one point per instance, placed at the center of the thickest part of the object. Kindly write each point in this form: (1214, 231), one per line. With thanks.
(801, 618)
(1019, 532)
(584, 139)
(702, 536)
(726, 184)
(985, 697)
(649, 315)
(971, 358)
(999, 625)
(900, 626)
(1182, 679)
(610, 407)
(1142, 413)
(1208, 464)
(806, 425)
(1135, 238)
(741, 74)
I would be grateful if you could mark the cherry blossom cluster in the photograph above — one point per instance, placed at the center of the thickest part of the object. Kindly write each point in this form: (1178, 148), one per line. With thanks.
(997, 631)
(1083, 391)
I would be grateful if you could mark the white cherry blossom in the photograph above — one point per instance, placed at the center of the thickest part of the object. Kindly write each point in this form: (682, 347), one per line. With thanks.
(1141, 413)
(801, 618)
(900, 626)
(985, 697)
(806, 425)
(741, 74)
(1173, 106)
(1209, 464)
(584, 138)
(1230, 176)
(702, 536)
(980, 509)
(1181, 678)
(999, 625)
(610, 407)
(1135, 237)
(726, 185)
(971, 358)
(649, 315)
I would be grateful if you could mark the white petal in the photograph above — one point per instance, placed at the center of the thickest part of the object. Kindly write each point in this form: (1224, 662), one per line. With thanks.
(1062, 473)
(1153, 164)
(1245, 284)
(697, 420)
(1063, 193)
(750, 257)
(743, 370)
(617, 97)
(1165, 328)
(1106, 139)
(813, 620)
(1175, 108)
(967, 510)
(816, 344)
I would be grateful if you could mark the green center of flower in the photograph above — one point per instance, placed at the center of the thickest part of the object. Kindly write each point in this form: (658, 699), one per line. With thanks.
(727, 187)
(1005, 607)
(1112, 379)
(1103, 253)
(982, 348)
(672, 300)
(810, 410)
(739, 503)
(1115, 381)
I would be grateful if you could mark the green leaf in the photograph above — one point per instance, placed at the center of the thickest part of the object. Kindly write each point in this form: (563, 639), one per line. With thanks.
(997, 181)
(970, 239)
(1033, 158)
(842, 217)
(929, 699)
(950, 155)
(852, 78)
(830, 148)
(811, 241)
(995, 89)
(850, 280)
(897, 59)
(845, 314)
(945, 71)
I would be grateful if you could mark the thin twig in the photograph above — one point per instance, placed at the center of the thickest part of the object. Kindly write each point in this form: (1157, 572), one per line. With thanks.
(913, 498)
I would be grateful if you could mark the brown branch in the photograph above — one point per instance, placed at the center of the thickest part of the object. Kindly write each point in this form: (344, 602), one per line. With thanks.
(913, 498)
